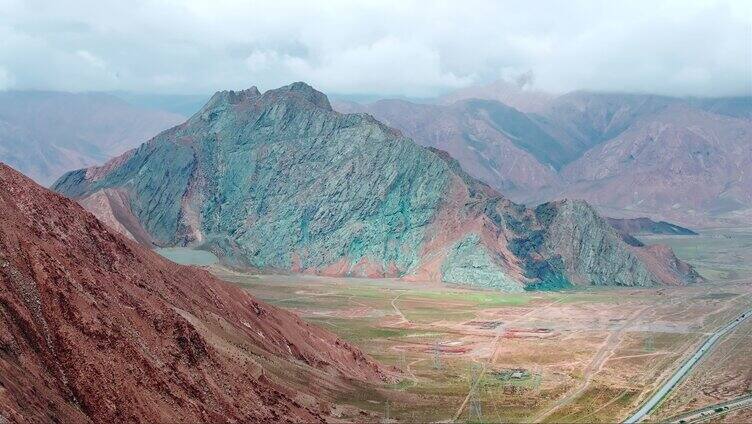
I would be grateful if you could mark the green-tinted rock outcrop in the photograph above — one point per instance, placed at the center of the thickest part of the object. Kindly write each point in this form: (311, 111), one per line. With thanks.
(280, 181)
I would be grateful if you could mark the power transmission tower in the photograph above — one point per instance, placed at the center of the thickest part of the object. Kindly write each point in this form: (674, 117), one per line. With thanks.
(537, 377)
(475, 407)
(476, 411)
(649, 343)
(648, 340)
(437, 355)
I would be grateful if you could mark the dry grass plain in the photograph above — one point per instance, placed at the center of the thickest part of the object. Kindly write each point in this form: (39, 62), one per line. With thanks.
(586, 355)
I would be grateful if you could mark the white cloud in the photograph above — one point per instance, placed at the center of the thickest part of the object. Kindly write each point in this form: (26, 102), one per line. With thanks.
(168, 80)
(91, 59)
(404, 47)
(262, 60)
(387, 66)
(6, 79)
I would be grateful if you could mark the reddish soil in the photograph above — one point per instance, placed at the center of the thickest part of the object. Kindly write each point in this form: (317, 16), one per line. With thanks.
(662, 261)
(96, 328)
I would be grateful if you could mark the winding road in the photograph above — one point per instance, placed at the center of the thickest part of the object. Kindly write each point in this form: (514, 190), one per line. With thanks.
(669, 385)
(398, 311)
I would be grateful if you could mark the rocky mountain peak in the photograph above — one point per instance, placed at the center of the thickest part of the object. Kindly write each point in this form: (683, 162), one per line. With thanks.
(225, 98)
(283, 182)
(303, 91)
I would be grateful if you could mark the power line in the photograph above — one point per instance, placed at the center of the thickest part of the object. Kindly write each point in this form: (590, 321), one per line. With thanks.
(475, 410)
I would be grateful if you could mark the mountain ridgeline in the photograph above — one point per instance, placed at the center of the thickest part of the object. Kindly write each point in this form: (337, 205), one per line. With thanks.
(281, 181)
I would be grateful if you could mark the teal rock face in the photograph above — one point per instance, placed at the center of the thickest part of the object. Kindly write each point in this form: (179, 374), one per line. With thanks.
(469, 262)
(157, 176)
(279, 181)
(591, 250)
(280, 178)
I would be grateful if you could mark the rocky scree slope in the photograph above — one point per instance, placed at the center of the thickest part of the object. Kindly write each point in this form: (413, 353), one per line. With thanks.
(280, 181)
(96, 328)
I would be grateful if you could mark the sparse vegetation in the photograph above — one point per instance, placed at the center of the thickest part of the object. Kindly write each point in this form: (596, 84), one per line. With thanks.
(553, 336)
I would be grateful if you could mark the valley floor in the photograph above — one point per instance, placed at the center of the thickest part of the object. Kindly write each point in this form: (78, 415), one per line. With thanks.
(574, 356)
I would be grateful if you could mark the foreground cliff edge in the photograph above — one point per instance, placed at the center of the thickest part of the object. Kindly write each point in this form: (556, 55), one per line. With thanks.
(281, 181)
(96, 328)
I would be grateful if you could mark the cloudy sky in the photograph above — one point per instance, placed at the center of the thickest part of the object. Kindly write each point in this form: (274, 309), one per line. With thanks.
(409, 48)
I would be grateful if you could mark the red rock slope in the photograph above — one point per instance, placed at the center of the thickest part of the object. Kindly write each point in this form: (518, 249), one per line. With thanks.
(94, 327)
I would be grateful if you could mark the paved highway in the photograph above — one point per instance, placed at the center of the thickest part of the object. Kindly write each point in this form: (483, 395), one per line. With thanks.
(712, 411)
(681, 372)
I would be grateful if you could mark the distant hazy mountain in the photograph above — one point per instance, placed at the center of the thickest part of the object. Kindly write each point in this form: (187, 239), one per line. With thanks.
(281, 181)
(44, 134)
(495, 143)
(516, 95)
(636, 226)
(679, 161)
(683, 159)
(737, 107)
(181, 104)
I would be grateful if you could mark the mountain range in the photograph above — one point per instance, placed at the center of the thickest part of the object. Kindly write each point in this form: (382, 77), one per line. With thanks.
(635, 226)
(46, 133)
(280, 181)
(517, 94)
(629, 155)
(95, 327)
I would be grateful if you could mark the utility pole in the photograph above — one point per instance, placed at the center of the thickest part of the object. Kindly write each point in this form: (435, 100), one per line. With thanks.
(437, 355)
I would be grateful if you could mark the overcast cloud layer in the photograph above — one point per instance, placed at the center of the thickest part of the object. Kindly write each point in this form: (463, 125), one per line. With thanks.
(409, 48)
